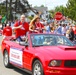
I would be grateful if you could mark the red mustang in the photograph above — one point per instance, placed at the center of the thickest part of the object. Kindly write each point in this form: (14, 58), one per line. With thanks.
(41, 54)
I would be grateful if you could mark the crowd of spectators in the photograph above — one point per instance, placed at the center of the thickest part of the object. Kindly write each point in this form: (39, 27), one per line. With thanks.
(63, 27)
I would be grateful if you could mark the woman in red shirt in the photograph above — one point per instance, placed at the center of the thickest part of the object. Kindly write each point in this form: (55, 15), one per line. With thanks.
(36, 26)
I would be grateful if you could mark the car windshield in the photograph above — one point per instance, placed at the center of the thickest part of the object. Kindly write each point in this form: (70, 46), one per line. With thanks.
(49, 40)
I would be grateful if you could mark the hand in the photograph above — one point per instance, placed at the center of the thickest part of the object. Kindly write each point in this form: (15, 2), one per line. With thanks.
(40, 13)
(37, 28)
(17, 27)
(36, 16)
(20, 26)
(36, 31)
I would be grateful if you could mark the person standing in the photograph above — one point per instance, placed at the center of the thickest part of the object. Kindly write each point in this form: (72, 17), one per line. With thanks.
(71, 34)
(64, 29)
(47, 27)
(74, 29)
(58, 30)
(7, 31)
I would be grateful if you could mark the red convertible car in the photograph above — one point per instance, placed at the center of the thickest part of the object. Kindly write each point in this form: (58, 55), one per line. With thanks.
(41, 54)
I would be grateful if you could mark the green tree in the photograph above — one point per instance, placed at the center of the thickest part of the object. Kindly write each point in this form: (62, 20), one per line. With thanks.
(52, 12)
(42, 6)
(30, 17)
(61, 9)
(71, 8)
(2, 10)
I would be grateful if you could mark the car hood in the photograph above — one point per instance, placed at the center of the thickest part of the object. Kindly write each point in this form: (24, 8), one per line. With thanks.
(58, 52)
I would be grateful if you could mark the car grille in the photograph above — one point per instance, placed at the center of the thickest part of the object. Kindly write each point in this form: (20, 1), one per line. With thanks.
(70, 63)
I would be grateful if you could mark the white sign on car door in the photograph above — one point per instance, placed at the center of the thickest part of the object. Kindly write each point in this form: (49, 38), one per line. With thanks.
(16, 56)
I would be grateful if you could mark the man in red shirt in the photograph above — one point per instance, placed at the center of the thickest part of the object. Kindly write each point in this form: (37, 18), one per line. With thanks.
(21, 28)
(7, 31)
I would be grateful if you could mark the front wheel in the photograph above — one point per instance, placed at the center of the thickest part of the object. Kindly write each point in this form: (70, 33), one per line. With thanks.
(6, 59)
(37, 68)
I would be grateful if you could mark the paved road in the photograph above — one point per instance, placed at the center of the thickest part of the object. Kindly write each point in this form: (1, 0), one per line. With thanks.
(11, 71)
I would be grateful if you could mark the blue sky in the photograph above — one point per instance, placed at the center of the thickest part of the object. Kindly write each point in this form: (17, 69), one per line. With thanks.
(49, 3)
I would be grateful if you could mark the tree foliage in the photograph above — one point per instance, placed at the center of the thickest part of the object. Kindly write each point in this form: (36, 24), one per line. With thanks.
(61, 9)
(71, 8)
(42, 6)
(2, 10)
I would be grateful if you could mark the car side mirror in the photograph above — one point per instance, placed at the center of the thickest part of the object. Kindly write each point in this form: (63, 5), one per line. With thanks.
(23, 44)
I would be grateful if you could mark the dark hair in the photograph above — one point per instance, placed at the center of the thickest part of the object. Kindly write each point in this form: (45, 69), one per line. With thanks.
(60, 24)
(64, 25)
(37, 12)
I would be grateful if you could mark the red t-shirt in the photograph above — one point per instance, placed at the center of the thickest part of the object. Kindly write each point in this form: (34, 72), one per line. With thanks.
(7, 31)
(21, 31)
(39, 26)
(74, 29)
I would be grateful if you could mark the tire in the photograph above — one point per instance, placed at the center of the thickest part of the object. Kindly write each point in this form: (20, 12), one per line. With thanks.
(37, 68)
(6, 60)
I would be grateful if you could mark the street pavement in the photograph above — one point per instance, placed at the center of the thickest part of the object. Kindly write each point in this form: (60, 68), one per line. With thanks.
(9, 71)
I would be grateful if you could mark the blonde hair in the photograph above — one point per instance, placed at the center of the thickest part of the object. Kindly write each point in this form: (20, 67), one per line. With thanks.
(68, 31)
(32, 26)
(22, 15)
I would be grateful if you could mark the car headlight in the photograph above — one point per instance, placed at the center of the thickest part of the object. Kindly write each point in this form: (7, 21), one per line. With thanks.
(54, 63)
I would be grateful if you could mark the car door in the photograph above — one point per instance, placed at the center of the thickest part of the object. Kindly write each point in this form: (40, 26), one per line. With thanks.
(16, 54)
(27, 57)
(28, 54)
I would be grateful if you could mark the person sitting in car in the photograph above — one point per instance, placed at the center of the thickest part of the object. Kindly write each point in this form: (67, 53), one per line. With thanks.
(35, 25)
(21, 28)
